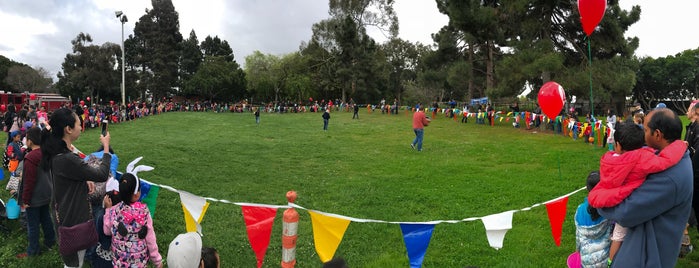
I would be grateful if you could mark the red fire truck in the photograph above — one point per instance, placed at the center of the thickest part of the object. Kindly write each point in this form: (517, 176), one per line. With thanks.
(50, 101)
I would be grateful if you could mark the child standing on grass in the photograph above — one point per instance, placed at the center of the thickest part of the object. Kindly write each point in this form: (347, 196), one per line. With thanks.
(257, 115)
(592, 230)
(131, 226)
(625, 169)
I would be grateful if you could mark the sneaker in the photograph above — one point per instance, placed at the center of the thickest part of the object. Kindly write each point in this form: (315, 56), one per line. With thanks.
(412, 146)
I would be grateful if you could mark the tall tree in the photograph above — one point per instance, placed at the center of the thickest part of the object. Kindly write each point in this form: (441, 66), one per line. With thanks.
(191, 57)
(157, 33)
(90, 70)
(344, 37)
(24, 78)
(217, 47)
(218, 80)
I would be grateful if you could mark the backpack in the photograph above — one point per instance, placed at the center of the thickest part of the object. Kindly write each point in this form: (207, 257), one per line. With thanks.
(6, 158)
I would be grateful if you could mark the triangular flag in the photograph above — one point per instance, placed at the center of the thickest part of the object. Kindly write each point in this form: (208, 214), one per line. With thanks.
(145, 188)
(496, 226)
(557, 214)
(258, 221)
(327, 234)
(194, 208)
(417, 238)
(151, 199)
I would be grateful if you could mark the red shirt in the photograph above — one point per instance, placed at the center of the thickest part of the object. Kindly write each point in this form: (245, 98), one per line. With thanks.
(419, 120)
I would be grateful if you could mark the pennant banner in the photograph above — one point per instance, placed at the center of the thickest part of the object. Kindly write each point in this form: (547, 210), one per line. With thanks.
(417, 239)
(496, 226)
(327, 233)
(151, 199)
(557, 214)
(194, 209)
(259, 221)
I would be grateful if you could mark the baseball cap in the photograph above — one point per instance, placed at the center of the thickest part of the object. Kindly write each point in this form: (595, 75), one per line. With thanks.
(185, 251)
(14, 133)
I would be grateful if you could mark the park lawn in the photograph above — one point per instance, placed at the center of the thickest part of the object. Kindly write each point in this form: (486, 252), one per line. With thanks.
(359, 168)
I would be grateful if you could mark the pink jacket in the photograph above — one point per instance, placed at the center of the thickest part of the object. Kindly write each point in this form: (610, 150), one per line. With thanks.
(129, 249)
(620, 174)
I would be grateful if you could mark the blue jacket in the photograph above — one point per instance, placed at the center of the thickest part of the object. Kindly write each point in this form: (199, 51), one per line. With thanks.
(592, 237)
(655, 214)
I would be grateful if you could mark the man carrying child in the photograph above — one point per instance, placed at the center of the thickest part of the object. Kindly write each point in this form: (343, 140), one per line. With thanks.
(655, 213)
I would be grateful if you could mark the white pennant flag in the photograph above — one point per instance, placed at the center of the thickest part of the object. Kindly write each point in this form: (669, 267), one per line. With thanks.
(496, 226)
(194, 204)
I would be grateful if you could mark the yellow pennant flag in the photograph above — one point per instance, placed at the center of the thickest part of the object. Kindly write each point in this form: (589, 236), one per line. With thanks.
(327, 234)
(191, 225)
(194, 209)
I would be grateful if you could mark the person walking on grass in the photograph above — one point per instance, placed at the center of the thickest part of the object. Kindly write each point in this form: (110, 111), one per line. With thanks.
(257, 115)
(657, 211)
(420, 121)
(356, 111)
(326, 119)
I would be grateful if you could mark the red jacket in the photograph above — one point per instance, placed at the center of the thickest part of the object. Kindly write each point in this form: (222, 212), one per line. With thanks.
(419, 120)
(620, 174)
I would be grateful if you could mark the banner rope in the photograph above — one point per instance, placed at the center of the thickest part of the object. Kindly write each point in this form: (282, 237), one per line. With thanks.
(293, 205)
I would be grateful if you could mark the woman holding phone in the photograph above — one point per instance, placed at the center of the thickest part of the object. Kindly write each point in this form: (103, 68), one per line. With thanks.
(70, 175)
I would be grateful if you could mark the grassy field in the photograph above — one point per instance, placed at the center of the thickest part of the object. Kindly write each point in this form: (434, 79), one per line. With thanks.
(359, 168)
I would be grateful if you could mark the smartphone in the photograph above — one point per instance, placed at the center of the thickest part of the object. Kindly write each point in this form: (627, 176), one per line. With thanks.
(104, 127)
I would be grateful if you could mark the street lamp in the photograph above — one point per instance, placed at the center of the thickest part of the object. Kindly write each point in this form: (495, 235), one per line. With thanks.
(120, 15)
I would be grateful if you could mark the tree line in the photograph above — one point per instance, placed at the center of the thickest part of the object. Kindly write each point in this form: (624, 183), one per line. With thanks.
(488, 48)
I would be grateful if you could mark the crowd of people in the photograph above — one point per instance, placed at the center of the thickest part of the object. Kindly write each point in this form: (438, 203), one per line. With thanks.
(84, 208)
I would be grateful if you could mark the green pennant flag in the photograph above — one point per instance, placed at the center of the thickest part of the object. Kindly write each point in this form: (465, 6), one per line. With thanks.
(151, 199)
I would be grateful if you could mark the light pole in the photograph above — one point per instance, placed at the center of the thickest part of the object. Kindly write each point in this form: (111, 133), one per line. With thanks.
(120, 15)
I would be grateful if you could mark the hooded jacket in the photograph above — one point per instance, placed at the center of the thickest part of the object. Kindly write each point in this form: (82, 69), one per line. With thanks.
(620, 174)
(592, 237)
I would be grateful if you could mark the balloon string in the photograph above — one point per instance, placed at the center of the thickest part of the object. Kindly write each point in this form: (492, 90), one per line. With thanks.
(589, 57)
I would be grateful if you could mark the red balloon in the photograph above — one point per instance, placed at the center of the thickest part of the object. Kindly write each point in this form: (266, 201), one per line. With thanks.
(551, 98)
(88, 98)
(111, 102)
(32, 96)
(3, 108)
(591, 13)
(43, 104)
(82, 103)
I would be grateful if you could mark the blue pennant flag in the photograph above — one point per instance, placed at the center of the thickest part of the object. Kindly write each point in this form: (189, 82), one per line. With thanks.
(417, 238)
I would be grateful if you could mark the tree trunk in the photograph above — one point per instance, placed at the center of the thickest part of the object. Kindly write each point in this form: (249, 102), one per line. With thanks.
(471, 74)
(490, 62)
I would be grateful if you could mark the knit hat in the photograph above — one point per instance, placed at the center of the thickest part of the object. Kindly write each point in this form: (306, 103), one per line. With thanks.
(14, 133)
(185, 251)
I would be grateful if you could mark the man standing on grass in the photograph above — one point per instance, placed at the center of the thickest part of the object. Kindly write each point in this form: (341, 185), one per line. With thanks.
(420, 121)
(657, 211)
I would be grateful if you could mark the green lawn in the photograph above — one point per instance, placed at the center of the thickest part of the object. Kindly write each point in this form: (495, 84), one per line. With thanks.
(359, 168)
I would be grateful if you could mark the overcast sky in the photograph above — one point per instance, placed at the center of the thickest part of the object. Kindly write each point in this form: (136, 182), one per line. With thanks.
(38, 32)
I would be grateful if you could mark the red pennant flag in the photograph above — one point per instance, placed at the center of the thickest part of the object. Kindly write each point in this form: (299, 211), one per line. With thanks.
(557, 214)
(258, 221)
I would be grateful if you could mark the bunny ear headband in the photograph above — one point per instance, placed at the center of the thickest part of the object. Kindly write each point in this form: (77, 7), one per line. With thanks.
(133, 169)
